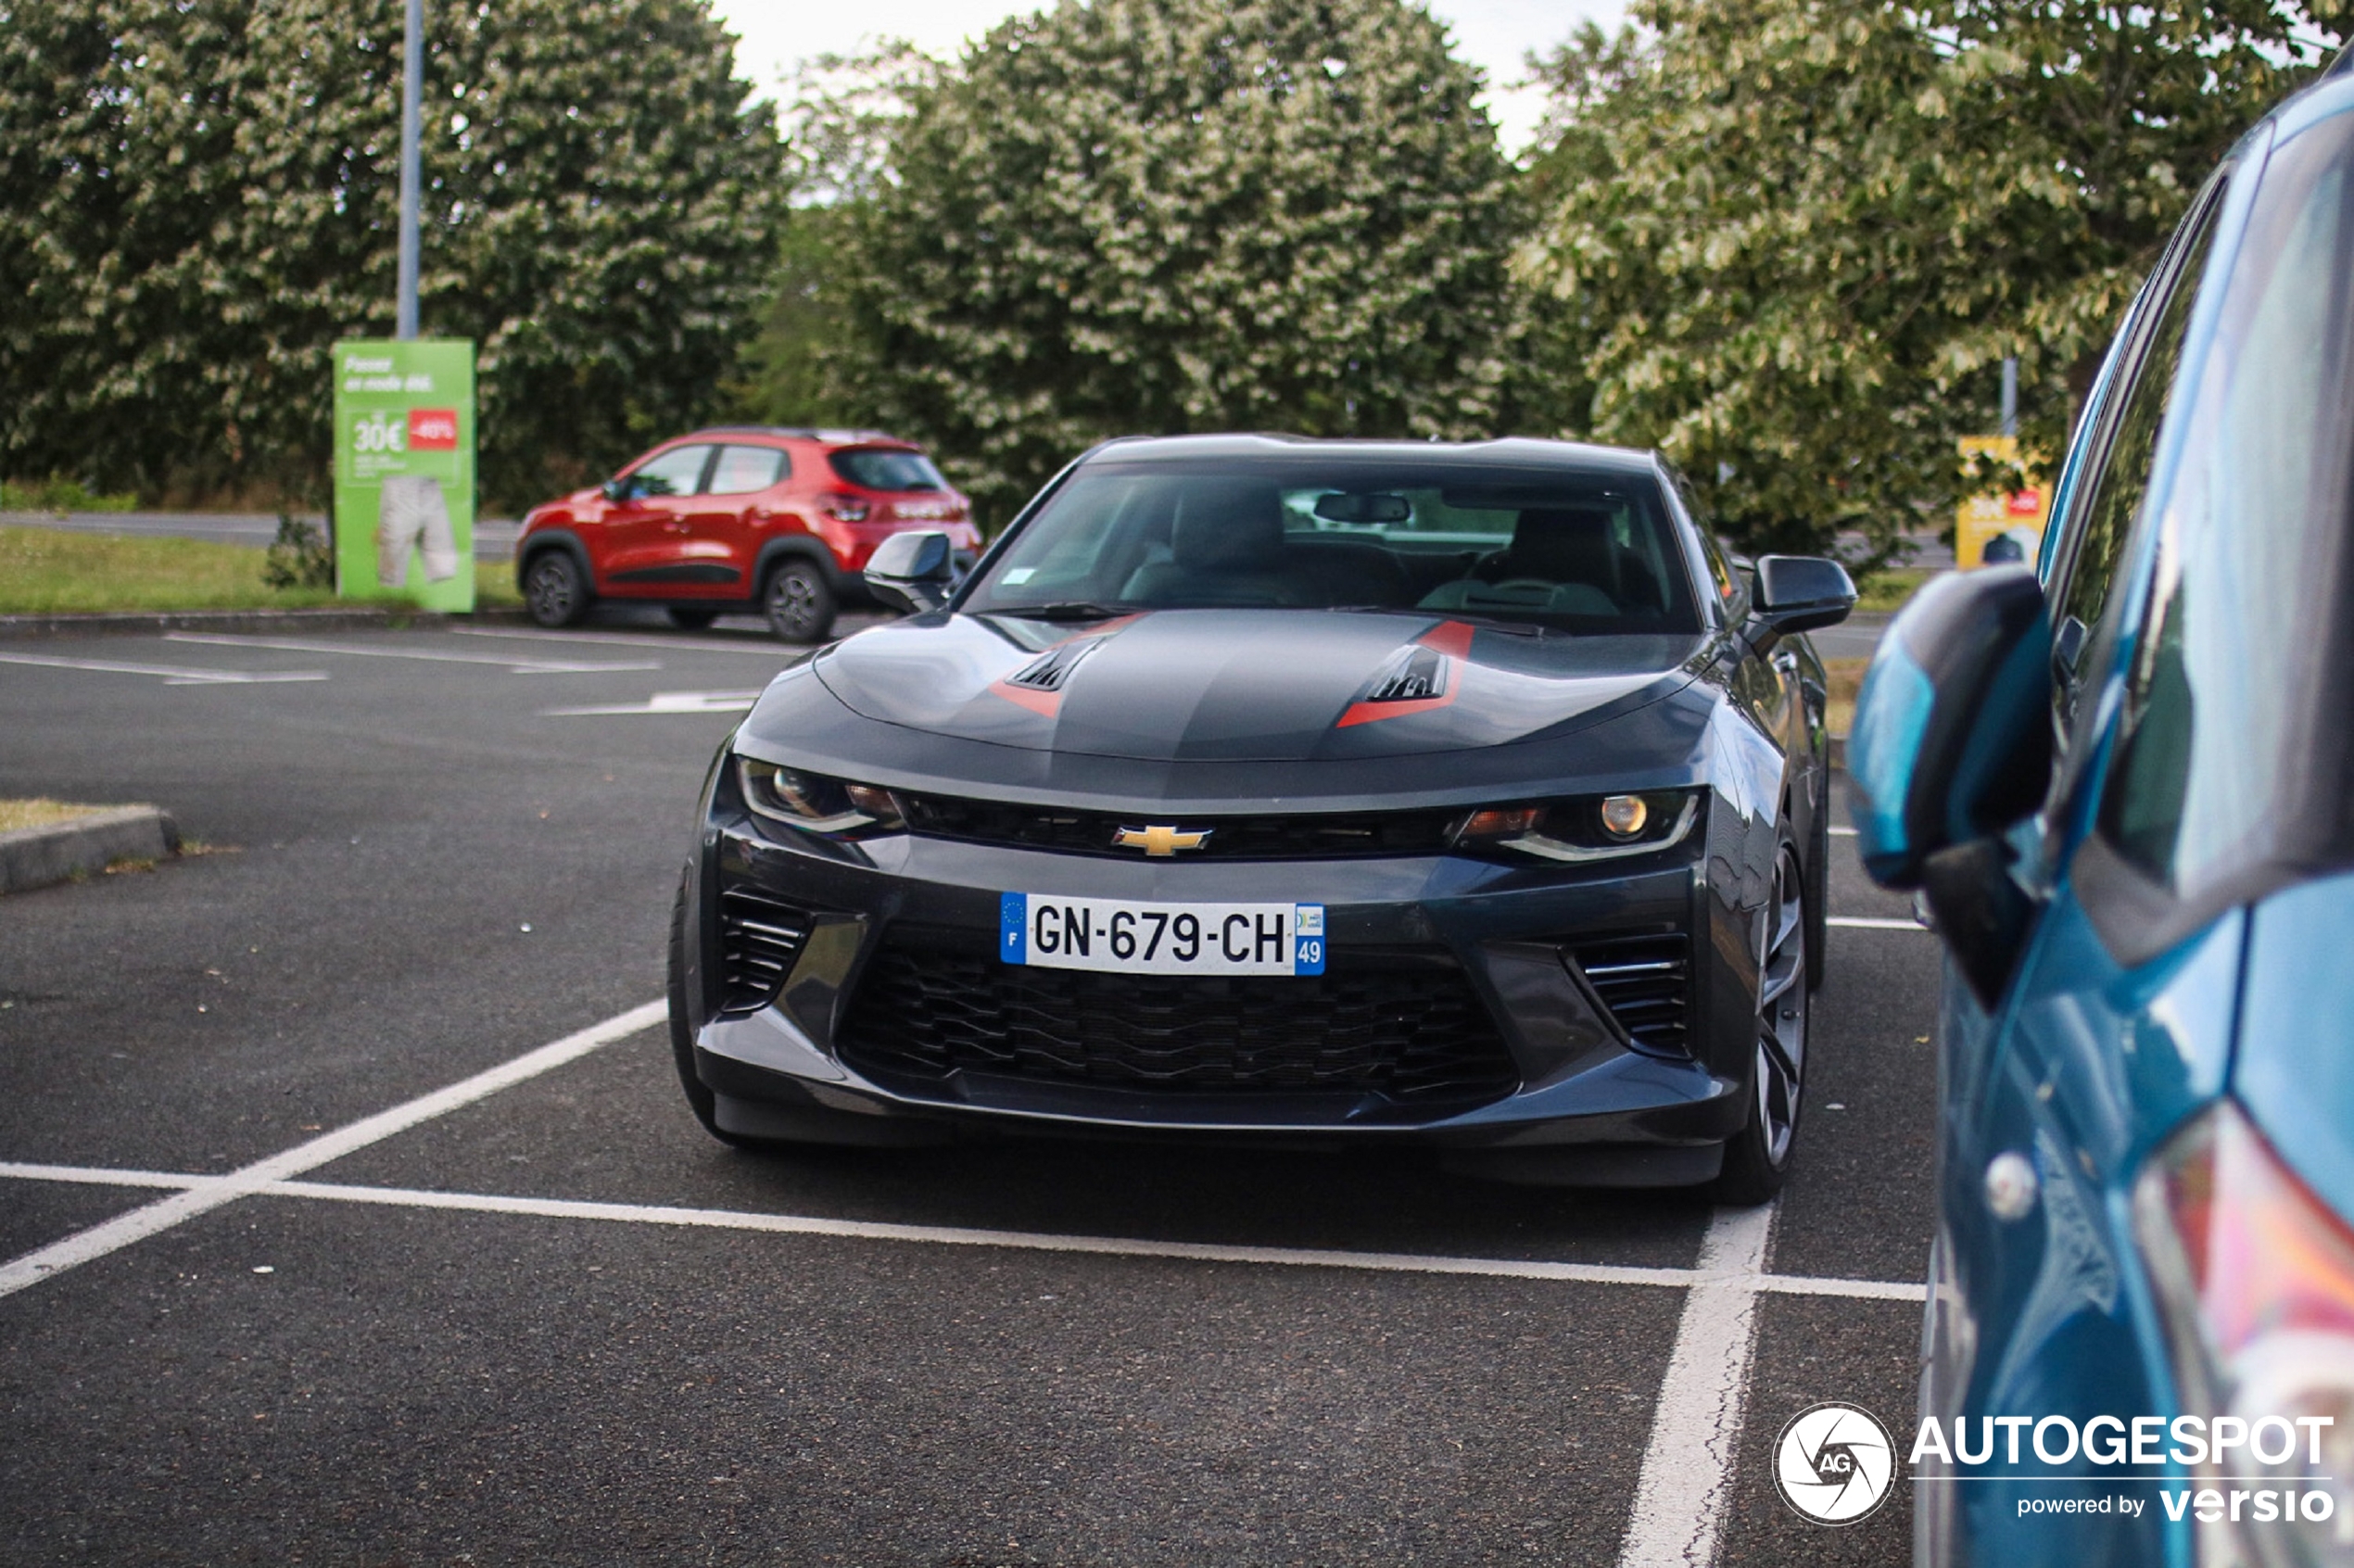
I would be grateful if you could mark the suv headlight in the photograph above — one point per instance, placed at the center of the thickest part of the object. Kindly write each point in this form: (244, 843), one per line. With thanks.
(1591, 827)
(814, 803)
(2254, 1279)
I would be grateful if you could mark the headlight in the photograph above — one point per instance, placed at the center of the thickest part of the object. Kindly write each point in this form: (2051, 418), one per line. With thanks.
(814, 803)
(1594, 827)
(2254, 1278)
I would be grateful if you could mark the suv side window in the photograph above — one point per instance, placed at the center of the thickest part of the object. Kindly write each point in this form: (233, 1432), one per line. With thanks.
(2111, 495)
(742, 470)
(677, 471)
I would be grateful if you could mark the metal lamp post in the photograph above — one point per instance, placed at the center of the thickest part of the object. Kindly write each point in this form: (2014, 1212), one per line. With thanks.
(413, 90)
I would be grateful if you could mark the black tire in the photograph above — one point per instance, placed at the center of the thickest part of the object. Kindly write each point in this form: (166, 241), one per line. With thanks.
(686, 619)
(1819, 892)
(555, 590)
(700, 1098)
(799, 603)
(1758, 1160)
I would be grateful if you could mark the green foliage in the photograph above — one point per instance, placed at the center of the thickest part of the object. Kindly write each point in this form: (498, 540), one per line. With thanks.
(57, 494)
(1142, 216)
(1790, 240)
(197, 197)
(300, 557)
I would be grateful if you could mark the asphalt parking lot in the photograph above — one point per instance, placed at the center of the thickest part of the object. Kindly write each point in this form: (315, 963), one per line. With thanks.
(355, 1216)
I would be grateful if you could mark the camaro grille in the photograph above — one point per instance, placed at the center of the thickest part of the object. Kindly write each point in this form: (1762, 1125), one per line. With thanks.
(1411, 1031)
(1230, 837)
(759, 939)
(1646, 983)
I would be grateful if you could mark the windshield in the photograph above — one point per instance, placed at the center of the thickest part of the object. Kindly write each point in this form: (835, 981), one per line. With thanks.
(1581, 551)
(886, 468)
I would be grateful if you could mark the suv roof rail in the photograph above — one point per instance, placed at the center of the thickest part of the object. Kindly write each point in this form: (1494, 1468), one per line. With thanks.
(801, 432)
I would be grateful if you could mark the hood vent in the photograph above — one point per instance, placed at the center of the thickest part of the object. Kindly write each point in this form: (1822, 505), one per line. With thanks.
(1052, 668)
(1417, 675)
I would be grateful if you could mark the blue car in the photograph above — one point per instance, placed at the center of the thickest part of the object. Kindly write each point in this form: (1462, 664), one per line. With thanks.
(2122, 783)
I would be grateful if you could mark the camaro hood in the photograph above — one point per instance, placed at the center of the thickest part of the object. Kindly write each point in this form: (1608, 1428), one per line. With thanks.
(1245, 685)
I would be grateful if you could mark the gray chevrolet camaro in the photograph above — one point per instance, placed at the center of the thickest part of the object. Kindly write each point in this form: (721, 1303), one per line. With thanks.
(1310, 792)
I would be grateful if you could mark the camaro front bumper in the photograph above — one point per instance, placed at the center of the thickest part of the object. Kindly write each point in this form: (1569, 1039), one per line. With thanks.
(851, 992)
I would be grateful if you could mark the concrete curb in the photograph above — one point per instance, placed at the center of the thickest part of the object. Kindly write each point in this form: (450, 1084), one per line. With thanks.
(130, 624)
(35, 857)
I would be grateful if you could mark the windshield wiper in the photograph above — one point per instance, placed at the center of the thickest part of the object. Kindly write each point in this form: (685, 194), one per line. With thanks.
(1071, 610)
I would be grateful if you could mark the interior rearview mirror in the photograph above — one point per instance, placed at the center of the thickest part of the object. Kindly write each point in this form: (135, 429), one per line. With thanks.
(1952, 744)
(914, 571)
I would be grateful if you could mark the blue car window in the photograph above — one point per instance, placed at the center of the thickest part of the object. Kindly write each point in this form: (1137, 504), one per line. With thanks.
(2113, 494)
(2220, 729)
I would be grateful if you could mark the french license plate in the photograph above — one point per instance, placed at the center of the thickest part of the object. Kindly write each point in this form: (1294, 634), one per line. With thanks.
(1123, 936)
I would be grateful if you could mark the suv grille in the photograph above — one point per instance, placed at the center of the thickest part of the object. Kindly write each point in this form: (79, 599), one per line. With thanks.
(1411, 1031)
(759, 939)
(1231, 838)
(1645, 983)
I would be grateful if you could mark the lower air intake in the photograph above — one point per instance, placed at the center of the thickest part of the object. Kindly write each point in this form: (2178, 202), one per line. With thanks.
(1411, 1031)
(1646, 983)
(759, 939)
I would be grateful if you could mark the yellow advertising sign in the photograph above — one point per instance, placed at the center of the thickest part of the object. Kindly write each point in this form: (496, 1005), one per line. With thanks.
(2016, 518)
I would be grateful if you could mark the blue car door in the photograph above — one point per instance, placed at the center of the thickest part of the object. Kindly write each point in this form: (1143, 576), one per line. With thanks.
(2047, 1097)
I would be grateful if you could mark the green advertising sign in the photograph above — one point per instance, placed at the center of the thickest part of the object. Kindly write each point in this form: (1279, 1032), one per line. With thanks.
(405, 471)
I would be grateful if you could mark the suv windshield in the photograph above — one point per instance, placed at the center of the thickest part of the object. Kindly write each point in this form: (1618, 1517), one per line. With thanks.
(886, 468)
(1585, 550)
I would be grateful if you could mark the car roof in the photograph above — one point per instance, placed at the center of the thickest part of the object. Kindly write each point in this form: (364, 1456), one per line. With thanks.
(1627, 460)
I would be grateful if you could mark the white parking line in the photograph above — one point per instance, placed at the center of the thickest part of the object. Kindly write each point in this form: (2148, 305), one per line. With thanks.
(1874, 923)
(512, 666)
(173, 675)
(210, 1193)
(1696, 1423)
(764, 648)
(1712, 1273)
(668, 702)
(1842, 833)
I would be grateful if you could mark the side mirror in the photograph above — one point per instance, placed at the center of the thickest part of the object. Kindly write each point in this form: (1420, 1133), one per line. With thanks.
(1952, 744)
(1798, 593)
(915, 571)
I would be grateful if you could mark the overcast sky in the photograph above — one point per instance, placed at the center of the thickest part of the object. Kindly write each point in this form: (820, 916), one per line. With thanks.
(1492, 35)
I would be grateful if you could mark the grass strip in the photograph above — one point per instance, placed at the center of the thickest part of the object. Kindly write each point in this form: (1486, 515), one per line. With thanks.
(54, 572)
(16, 815)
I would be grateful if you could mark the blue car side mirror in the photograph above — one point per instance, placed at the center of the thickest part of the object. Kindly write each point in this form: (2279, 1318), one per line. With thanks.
(1953, 733)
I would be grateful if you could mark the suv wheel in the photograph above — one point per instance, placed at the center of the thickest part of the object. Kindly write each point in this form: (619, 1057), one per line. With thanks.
(554, 592)
(799, 605)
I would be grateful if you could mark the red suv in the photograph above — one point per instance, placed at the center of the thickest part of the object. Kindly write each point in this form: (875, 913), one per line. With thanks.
(741, 518)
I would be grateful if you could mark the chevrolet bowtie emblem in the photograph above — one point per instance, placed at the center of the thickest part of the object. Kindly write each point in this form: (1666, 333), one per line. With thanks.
(1159, 839)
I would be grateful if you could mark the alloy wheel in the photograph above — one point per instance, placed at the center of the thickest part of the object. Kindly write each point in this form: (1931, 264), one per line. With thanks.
(1781, 1012)
(554, 595)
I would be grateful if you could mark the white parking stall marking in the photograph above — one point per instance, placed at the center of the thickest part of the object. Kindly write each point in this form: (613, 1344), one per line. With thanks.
(1842, 833)
(1874, 923)
(512, 666)
(209, 1193)
(761, 647)
(1707, 1274)
(173, 674)
(1687, 1478)
(668, 702)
